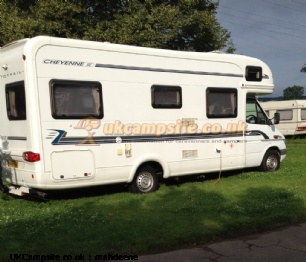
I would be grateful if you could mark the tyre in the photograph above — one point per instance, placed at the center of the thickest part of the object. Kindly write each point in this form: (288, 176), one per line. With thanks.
(271, 161)
(145, 181)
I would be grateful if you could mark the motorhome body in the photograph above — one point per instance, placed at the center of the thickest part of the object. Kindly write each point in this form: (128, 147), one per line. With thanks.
(292, 115)
(79, 113)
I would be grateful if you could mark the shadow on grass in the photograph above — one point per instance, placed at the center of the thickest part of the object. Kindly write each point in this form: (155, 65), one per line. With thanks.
(86, 192)
(138, 224)
(121, 188)
(116, 188)
(178, 181)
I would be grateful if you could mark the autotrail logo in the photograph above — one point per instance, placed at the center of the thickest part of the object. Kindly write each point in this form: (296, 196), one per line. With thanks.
(11, 74)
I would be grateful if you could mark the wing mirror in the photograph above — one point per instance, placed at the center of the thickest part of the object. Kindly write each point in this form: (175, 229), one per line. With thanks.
(276, 118)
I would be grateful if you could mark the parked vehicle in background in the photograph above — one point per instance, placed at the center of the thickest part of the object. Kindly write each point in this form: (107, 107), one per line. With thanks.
(292, 115)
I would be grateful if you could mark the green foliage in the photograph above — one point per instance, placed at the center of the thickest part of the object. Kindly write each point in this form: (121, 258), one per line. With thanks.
(171, 24)
(293, 92)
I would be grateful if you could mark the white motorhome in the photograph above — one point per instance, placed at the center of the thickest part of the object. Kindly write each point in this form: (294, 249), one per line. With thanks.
(292, 115)
(79, 113)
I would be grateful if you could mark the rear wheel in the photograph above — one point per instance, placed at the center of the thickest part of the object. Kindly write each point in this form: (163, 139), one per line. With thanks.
(145, 181)
(271, 161)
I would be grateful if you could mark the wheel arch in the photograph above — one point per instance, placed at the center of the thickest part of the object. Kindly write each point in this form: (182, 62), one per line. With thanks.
(160, 166)
(270, 148)
(273, 148)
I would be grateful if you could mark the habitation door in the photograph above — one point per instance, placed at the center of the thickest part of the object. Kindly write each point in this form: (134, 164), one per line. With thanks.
(226, 127)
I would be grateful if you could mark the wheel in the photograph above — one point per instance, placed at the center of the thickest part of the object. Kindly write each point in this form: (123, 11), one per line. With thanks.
(271, 161)
(145, 181)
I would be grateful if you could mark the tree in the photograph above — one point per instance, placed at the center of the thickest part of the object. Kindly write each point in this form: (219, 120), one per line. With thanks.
(293, 92)
(171, 24)
(304, 68)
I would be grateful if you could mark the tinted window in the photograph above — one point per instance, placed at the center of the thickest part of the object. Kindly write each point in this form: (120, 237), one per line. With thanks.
(253, 73)
(285, 114)
(15, 101)
(221, 102)
(76, 99)
(166, 96)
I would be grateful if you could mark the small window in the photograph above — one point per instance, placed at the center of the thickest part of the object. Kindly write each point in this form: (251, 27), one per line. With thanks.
(285, 114)
(166, 96)
(303, 114)
(15, 101)
(76, 99)
(253, 73)
(221, 102)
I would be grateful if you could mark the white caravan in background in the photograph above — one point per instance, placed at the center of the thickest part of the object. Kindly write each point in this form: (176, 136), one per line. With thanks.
(292, 115)
(79, 113)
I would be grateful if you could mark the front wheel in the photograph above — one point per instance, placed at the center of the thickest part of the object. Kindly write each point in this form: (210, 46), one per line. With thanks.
(145, 181)
(271, 161)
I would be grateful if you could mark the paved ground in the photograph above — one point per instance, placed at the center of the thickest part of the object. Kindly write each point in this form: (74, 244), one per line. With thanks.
(287, 244)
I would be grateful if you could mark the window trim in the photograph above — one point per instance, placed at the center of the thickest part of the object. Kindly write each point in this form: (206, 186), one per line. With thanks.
(155, 88)
(221, 90)
(54, 82)
(13, 86)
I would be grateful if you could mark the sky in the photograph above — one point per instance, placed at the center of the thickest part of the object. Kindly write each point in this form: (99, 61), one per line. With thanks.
(273, 31)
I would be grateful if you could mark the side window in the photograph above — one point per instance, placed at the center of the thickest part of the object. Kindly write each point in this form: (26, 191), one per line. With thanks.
(166, 96)
(221, 102)
(15, 101)
(76, 99)
(254, 113)
(253, 73)
(303, 114)
(285, 114)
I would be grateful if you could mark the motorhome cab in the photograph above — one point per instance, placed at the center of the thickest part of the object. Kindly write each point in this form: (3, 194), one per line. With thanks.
(78, 113)
(292, 115)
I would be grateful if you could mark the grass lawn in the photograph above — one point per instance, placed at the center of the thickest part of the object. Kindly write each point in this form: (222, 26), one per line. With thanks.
(100, 221)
